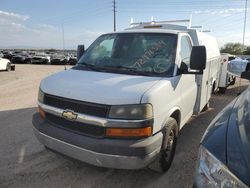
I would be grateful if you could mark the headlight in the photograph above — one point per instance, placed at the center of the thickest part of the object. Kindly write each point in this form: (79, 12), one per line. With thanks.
(212, 173)
(40, 95)
(131, 112)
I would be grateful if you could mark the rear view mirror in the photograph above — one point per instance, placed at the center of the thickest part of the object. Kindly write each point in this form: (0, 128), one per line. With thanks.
(80, 51)
(198, 58)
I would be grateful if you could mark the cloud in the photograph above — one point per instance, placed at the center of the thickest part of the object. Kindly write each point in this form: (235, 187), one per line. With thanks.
(222, 12)
(10, 16)
(16, 31)
(46, 27)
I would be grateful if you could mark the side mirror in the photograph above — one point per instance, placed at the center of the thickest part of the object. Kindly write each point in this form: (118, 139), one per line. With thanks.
(80, 51)
(198, 58)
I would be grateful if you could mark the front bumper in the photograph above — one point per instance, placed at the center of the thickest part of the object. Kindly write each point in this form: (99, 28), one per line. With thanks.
(104, 152)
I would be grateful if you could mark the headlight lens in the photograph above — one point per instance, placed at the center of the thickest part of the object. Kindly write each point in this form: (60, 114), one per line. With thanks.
(40, 95)
(212, 173)
(131, 112)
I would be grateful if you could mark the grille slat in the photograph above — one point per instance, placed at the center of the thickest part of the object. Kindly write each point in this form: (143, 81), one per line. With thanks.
(78, 127)
(87, 108)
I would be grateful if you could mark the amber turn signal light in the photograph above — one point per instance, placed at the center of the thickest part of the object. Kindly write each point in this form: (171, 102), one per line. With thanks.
(41, 112)
(129, 132)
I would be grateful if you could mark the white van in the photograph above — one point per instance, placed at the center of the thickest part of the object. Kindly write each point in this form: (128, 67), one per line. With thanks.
(129, 95)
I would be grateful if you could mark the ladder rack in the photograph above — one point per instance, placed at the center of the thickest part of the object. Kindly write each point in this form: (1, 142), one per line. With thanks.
(160, 22)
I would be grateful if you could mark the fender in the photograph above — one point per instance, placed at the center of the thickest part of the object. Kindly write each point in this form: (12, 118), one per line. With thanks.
(170, 112)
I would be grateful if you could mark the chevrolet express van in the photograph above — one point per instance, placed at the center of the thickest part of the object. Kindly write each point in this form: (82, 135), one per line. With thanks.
(131, 92)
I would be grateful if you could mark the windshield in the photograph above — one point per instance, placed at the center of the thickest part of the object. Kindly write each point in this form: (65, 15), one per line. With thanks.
(132, 53)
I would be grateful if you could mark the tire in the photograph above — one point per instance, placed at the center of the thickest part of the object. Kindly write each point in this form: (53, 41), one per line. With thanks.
(222, 90)
(233, 81)
(206, 107)
(8, 67)
(213, 89)
(164, 160)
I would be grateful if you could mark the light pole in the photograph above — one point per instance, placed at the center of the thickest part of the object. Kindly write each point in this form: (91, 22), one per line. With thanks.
(244, 30)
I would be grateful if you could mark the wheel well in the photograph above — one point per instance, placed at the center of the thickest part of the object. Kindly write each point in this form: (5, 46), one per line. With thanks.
(177, 116)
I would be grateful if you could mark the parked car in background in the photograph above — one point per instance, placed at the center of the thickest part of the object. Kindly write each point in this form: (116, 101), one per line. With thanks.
(5, 64)
(7, 55)
(72, 60)
(22, 58)
(58, 59)
(224, 154)
(40, 58)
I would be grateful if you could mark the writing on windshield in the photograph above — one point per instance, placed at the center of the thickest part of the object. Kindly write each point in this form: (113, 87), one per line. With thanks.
(152, 53)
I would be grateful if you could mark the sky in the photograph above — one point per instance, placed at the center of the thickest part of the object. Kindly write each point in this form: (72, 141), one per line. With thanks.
(40, 23)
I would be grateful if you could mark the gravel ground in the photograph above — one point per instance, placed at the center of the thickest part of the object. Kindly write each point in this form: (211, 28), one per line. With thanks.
(25, 163)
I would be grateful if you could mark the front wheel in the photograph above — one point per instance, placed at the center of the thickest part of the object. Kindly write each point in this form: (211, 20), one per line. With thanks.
(163, 162)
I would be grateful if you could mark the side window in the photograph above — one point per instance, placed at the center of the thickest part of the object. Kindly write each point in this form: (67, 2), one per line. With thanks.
(185, 50)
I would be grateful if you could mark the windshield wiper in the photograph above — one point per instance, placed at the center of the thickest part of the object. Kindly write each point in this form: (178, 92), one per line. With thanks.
(86, 65)
(119, 67)
(127, 70)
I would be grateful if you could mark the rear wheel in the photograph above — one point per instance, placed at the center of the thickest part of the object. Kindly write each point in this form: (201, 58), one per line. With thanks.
(163, 162)
(206, 107)
(233, 81)
(213, 89)
(222, 90)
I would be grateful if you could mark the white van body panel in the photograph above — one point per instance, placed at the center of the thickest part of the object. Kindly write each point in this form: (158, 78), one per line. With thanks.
(210, 78)
(163, 96)
(98, 87)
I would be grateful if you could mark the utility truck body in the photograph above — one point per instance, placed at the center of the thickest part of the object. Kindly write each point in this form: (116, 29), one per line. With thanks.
(128, 96)
(226, 77)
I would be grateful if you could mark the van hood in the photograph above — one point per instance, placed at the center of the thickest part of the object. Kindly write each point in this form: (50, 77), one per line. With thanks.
(98, 87)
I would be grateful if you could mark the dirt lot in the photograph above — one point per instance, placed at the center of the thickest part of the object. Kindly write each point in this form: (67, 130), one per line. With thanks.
(25, 163)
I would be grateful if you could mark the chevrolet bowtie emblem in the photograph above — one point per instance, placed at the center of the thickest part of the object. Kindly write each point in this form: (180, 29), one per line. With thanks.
(69, 115)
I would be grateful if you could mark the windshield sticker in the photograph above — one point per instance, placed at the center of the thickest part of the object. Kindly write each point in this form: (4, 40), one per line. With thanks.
(149, 54)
